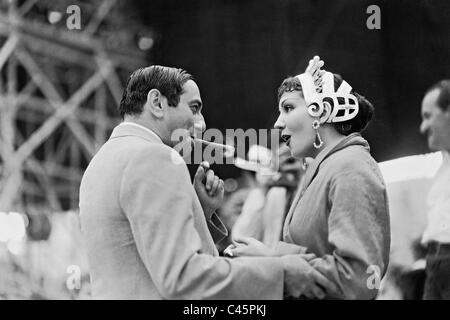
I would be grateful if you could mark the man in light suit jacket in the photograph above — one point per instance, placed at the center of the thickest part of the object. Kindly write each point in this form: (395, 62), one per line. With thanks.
(148, 231)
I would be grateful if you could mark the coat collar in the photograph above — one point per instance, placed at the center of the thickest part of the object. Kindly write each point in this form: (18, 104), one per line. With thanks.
(133, 129)
(351, 139)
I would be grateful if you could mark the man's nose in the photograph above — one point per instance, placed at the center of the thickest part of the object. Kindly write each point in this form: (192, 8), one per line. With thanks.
(279, 124)
(423, 127)
(199, 123)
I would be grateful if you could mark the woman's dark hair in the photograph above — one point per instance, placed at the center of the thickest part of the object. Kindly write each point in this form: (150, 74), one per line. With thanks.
(169, 81)
(357, 124)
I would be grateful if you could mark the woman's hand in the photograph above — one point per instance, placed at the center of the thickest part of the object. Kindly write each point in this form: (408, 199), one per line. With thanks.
(248, 247)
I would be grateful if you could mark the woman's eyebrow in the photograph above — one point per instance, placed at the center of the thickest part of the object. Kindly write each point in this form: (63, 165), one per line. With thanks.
(286, 101)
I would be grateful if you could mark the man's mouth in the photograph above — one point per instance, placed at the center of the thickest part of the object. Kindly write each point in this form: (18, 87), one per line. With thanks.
(197, 130)
(286, 138)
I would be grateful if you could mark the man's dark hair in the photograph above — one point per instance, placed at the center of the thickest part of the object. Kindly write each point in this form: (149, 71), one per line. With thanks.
(443, 99)
(169, 81)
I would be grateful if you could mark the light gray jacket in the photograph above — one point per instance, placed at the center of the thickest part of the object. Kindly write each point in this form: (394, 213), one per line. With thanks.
(146, 234)
(341, 214)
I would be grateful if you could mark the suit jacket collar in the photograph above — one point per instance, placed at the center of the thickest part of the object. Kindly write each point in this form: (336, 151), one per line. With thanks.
(133, 129)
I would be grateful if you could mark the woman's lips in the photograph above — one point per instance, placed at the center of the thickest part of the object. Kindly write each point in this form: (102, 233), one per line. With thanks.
(286, 138)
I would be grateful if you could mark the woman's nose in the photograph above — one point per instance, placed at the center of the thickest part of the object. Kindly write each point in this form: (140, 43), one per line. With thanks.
(279, 124)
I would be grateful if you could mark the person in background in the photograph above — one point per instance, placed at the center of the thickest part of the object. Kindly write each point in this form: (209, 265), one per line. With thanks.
(435, 124)
(265, 207)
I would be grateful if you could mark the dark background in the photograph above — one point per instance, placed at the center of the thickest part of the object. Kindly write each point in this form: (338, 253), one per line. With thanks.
(239, 51)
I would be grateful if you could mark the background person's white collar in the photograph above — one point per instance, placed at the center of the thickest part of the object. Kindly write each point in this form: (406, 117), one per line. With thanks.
(446, 158)
(140, 126)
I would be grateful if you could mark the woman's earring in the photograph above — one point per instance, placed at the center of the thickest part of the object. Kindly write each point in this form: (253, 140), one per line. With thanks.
(318, 143)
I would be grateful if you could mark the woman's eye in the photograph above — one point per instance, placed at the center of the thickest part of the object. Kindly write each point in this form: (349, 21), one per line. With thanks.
(194, 109)
(288, 108)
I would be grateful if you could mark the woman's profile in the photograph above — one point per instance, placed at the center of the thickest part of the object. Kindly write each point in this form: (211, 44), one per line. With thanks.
(339, 218)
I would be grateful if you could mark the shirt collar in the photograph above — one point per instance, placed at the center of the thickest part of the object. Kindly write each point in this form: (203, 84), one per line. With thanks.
(129, 123)
(446, 159)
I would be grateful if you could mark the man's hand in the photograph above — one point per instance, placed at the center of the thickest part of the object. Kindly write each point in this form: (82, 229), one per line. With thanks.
(248, 247)
(301, 279)
(209, 189)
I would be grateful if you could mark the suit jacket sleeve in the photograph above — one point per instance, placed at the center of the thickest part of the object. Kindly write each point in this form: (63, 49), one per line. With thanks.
(156, 196)
(358, 226)
(282, 248)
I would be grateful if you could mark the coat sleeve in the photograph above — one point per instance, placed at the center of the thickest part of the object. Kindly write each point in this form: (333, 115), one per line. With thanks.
(156, 197)
(282, 248)
(358, 228)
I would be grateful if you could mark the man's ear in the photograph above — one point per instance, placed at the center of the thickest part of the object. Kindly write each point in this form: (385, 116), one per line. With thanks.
(155, 103)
